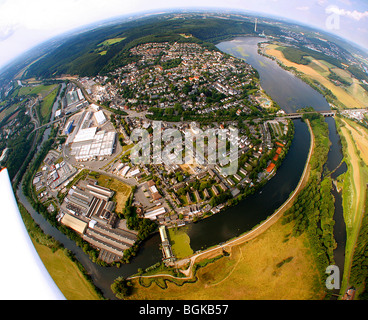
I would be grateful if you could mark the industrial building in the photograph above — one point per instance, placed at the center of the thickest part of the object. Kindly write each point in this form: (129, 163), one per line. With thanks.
(124, 171)
(88, 210)
(87, 141)
(100, 117)
(168, 255)
(154, 213)
(68, 127)
(153, 189)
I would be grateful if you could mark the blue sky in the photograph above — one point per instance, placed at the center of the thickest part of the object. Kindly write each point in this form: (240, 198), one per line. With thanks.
(26, 23)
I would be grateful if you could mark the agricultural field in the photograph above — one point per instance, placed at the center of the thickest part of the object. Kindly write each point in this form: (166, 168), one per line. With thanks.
(103, 47)
(347, 96)
(8, 111)
(47, 103)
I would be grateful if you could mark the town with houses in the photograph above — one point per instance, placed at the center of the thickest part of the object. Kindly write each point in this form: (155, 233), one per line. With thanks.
(97, 116)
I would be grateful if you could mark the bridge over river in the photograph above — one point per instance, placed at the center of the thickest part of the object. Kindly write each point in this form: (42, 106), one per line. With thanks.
(299, 115)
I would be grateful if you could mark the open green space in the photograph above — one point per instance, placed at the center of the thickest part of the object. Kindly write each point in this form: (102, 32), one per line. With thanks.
(273, 266)
(47, 103)
(42, 90)
(180, 242)
(112, 41)
(354, 195)
(74, 286)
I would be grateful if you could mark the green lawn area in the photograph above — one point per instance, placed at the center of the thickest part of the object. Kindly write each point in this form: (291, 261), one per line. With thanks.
(41, 89)
(46, 105)
(112, 41)
(66, 274)
(180, 242)
(122, 190)
(8, 111)
(128, 147)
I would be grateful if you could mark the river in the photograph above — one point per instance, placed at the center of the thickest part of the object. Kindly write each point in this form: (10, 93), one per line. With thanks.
(291, 94)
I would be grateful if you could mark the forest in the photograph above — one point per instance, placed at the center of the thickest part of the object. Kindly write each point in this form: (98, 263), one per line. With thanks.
(78, 55)
(19, 144)
(298, 55)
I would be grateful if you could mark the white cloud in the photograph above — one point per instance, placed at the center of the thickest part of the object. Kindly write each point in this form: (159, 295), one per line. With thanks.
(356, 15)
(55, 14)
(304, 8)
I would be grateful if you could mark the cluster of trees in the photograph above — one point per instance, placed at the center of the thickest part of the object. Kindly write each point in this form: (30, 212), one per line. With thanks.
(221, 198)
(359, 266)
(19, 144)
(294, 55)
(144, 227)
(36, 232)
(121, 287)
(336, 77)
(173, 63)
(313, 210)
(358, 73)
(298, 55)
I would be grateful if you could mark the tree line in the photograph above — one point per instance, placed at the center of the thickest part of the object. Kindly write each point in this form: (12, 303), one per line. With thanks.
(313, 210)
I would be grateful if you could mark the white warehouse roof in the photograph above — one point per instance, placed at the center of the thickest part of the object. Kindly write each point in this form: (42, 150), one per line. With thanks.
(89, 146)
(85, 134)
(100, 117)
(154, 213)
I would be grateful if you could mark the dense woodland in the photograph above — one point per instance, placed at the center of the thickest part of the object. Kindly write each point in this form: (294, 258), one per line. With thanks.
(298, 55)
(78, 55)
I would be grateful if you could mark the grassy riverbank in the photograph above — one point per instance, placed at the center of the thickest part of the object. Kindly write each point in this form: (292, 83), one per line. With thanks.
(75, 286)
(354, 194)
(337, 84)
(272, 266)
(60, 262)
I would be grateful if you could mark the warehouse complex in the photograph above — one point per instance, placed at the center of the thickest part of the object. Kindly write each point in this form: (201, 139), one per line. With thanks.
(89, 210)
(87, 140)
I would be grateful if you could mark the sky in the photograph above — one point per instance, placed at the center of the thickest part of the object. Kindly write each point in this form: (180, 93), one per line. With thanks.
(26, 23)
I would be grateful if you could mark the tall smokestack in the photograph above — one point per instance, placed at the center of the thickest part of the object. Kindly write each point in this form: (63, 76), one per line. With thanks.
(255, 26)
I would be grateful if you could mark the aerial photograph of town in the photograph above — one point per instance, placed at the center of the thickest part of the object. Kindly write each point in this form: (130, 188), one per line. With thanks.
(186, 152)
